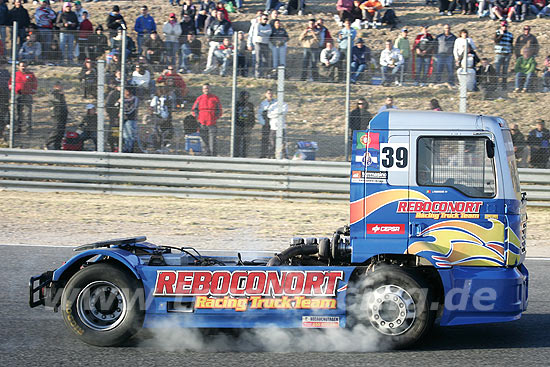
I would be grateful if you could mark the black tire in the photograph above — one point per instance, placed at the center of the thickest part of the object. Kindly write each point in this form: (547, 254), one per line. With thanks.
(103, 305)
(393, 301)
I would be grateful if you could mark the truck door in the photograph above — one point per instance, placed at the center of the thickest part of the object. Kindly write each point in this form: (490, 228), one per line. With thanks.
(386, 183)
(456, 217)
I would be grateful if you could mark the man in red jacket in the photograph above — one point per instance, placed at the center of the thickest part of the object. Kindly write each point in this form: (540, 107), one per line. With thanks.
(25, 87)
(207, 109)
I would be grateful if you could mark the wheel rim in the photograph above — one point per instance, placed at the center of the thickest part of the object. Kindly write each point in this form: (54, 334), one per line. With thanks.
(101, 305)
(391, 309)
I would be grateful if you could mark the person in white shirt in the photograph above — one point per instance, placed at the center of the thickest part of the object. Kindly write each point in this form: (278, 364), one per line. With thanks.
(391, 62)
(462, 44)
(141, 80)
(330, 56)
(258, 41)
(264, 119)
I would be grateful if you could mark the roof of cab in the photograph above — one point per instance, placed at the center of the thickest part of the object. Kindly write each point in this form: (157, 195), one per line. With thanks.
(395, 119)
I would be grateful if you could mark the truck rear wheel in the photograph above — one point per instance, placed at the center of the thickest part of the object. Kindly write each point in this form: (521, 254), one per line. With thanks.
(103, 305)
(395, 302)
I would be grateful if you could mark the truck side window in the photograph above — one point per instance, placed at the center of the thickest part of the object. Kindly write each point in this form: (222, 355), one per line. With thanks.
(461, 163)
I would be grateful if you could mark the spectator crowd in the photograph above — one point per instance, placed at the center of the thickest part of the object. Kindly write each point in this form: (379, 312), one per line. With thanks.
(199, 38)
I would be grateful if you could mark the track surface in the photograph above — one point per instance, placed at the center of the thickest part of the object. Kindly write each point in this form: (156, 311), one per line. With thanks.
(39, 337)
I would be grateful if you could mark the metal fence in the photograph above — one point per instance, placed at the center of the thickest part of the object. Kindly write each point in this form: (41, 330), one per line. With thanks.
(319, 104)
(195, 176)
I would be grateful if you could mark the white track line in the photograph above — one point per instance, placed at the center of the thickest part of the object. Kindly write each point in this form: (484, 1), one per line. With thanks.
(71, 246)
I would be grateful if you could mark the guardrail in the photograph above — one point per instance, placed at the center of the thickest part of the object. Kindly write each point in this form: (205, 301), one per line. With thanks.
(195, 176)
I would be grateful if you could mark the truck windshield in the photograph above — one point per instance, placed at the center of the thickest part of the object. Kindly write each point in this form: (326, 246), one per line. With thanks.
(511, 158)
(461, 163)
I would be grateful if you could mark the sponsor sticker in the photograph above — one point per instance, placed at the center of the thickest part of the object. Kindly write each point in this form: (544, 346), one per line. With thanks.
(320, 322)
(385, 228)
(369, 177)
(441, 209)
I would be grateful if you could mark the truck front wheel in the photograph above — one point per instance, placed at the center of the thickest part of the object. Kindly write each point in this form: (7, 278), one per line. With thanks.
(102, 305)
(395, 302)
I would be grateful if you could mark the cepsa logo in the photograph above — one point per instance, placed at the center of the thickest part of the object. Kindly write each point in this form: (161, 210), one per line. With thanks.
(385, 228)
(247, 283)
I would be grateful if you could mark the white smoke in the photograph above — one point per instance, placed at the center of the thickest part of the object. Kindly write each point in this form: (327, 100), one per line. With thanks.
(357, 339)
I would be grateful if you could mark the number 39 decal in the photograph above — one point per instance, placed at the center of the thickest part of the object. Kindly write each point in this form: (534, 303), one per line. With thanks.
(394, 156)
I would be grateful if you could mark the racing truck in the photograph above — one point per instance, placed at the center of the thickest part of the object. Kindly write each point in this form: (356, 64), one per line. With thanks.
(436, 234)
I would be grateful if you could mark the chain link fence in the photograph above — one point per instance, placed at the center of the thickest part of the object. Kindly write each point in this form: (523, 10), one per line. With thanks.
(323, 90)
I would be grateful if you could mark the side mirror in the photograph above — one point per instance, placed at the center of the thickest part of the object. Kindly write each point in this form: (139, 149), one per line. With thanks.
(490, 147)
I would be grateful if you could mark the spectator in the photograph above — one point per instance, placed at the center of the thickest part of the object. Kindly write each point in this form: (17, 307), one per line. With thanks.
(60, 113)
(402, 43)
(79, 10)
(259, 42)
(44, 17)
(250, 41)
(422, 50)
(221, 7)
(356, 13)
(207, 109)
(503, 52)
(161, 107)
(97, 44)
(309, 39)
(521, 9)
(273, 15)
(142, 82)
(188, 8)
(528, 41)
(223, 55)
(486, 79)
(371, 13)
(344, 7)
(242, 55)
(391, 62)
(330, 58)
(174, 83)
(324, 33)
(89, 125)
(539, 8)
(277, 42)
(388, 105)
(191, 53)
(359, 117)
(546, 75)
(504, 9)
(468, 6)
(204, 10)
(115, 21)
(20, 15)
(539, 143)
(360, 56)
(88, 79)
(116, 43)
(276, 113)
(4, 97)
(25, 86)
(434, 105)
(272, 5)
(187, 26)
(153, 48)
(67, 22)
(171, 30)
(4, 20)
(524, 69)
(217, 30)
(129, 125)
(294, 6)
(463, 45)
(85, 30)
(343, 37)
(444, 55)
(244, 124)
(267, 104)
(447, 7)
(518, 139)
(484, 8)
(31, 50)
(144, 25)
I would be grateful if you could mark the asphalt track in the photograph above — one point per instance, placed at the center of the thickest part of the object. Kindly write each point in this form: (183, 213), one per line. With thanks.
(33, 337)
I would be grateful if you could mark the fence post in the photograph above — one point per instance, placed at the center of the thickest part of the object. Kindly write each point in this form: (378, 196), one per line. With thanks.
(13, 71)
(463, 79)
(279, 143)
(122, 87)
(101, 106)
(348, 92)
(234, 94)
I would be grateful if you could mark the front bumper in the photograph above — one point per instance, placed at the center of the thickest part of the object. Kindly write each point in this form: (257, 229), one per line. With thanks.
(476, 295)
(41, 290)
